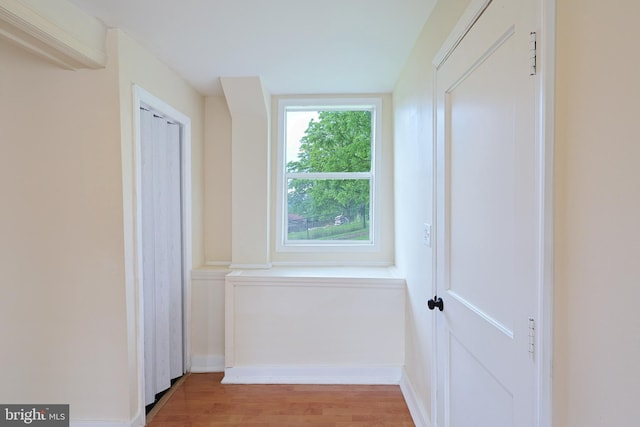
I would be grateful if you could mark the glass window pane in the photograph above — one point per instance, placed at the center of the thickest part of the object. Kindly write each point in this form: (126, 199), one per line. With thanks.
(328, 141)
(330, 209)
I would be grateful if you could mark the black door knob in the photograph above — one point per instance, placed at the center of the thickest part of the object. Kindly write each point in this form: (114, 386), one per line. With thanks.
(435, 302)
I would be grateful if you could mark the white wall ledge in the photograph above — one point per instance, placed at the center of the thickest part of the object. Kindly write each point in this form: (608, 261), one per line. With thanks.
(320, 275)
(315, 275)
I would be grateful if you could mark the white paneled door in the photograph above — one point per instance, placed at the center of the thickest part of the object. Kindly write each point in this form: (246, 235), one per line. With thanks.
(161, 252)
(488, 216)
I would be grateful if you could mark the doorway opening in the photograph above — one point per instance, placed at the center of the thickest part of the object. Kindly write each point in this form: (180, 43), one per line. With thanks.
(162, 167)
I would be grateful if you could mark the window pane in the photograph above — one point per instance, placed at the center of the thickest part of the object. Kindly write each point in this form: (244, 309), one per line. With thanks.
(331, 209)
(328, 141)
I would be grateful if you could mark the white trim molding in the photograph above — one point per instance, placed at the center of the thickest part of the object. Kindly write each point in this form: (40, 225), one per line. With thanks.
(547, 130)
(361, 375)
(250, 266)
(45, 33)
(207, 363)
(416, 408)
(84, 423)
(138, 421)
(324, 274)
(217, 263)
(374, 104)
(464, 24)
(332, 264)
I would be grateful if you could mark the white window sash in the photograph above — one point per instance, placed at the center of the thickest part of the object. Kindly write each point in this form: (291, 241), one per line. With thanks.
(374, 104)
(329, 175)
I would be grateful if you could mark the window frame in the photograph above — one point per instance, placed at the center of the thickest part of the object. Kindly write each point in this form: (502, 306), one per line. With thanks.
(373, 104)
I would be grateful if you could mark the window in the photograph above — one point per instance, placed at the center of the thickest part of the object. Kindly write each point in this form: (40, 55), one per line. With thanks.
(327, 168)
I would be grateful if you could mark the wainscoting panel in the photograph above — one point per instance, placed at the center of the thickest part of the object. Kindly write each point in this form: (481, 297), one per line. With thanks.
(323, 325)
(207, 320)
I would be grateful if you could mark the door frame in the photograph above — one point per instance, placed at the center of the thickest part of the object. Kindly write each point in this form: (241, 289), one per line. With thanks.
(545, 126)
(142, 98)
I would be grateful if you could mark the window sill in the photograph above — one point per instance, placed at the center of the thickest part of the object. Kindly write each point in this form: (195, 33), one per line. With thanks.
(317, 275)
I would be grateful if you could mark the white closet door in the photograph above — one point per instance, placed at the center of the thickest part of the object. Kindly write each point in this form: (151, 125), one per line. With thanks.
(162, 252)
(148, 254)
(174, 251)
(160, 226)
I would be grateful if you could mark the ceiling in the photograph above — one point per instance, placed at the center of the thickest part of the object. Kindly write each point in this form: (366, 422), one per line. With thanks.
(295, 46)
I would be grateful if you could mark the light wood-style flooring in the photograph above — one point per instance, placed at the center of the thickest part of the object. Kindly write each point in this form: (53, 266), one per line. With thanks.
(201, 400)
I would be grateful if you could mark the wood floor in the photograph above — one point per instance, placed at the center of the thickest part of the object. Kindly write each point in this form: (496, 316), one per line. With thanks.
(200, 400)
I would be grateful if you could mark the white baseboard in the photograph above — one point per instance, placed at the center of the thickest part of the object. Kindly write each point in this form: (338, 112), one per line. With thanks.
(200, 364)
(138, 421)
(313, 375)
(416, 409)
(100, 424)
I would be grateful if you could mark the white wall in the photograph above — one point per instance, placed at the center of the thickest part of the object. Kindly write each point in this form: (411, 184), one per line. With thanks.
(249, 107)
(69, 312)
(68, 305)
(597, 326)
(137, 66)
(217, 186)
(413, 143)
(62, 311)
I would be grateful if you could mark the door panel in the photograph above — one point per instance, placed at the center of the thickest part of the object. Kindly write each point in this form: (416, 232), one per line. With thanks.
(162, 256)
(174, 249)
(482, 145)
(487, 222)
(481, 399)
(162, 273)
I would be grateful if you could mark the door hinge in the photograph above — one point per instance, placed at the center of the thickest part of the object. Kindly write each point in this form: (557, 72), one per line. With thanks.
(532, 337)
(532, 53)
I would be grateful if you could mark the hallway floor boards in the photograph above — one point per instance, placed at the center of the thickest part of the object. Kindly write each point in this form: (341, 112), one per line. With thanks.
(201, 400)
